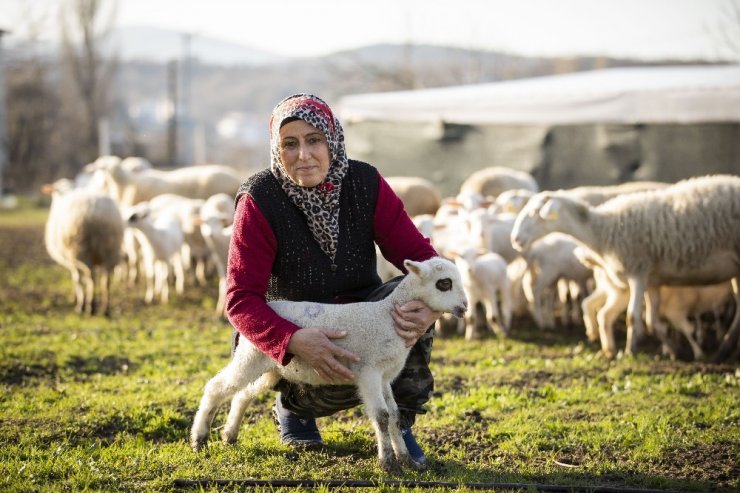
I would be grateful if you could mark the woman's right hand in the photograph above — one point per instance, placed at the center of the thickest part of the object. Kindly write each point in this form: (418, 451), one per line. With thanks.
(314, 346)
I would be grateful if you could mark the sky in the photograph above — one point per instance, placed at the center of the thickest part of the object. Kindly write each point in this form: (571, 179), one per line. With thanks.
(648, 29)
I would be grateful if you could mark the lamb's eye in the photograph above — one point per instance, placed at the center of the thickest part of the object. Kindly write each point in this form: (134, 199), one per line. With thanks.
(444, 284)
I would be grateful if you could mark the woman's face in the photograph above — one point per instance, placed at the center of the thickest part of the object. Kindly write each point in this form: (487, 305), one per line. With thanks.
(304, 153)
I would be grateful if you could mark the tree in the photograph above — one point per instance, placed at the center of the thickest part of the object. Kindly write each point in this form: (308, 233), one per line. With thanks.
(89, 74)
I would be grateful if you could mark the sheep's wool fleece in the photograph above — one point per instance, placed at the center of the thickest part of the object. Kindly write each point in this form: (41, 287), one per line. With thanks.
(320, 204)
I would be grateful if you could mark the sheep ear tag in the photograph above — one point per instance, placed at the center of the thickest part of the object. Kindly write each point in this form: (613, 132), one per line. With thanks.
(549, 211)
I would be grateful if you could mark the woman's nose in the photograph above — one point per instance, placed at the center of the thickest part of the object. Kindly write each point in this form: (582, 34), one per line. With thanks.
(303, 152)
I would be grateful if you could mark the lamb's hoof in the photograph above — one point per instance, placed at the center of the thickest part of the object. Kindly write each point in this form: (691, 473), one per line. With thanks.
(197, 445)
(415, 465)
(228, 439)
(391, 466)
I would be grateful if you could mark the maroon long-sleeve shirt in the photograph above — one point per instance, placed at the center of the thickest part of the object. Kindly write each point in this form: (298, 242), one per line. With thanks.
(252, 253)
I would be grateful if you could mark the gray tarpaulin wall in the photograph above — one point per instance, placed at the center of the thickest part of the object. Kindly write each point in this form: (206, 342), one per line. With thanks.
(587, 128)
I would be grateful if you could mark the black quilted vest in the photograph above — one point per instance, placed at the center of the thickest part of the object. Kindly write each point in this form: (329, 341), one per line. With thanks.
(302, 271)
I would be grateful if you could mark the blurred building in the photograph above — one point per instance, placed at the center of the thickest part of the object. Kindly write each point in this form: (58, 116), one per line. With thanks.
(599, 127)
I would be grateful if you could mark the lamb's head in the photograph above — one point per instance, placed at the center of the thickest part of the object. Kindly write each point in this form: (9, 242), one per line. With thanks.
(437, 283)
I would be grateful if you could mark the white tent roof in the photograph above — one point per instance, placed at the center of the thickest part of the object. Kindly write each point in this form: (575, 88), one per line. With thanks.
(675, 94)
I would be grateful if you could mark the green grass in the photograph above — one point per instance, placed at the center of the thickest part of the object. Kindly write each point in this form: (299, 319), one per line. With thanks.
(96, 404)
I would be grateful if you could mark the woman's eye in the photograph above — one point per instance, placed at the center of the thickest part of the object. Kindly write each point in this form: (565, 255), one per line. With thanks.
(289, 145)
(315, 140)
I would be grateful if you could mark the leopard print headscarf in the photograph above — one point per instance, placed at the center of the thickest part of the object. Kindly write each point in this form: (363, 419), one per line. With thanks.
(320, 204)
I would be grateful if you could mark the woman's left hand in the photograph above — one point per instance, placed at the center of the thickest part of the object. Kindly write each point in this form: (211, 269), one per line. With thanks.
(412, 320)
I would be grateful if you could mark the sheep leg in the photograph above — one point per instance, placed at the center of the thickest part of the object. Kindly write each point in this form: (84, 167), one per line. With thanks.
(179, 272)
(394, 429)
(247, 365)
(635, 326)
(239, 404)
(105, 276)
(615, 303)
(506, 305)
(79, 291)
(729, 342)
(654, 324)
(590, 306)
(370, 391)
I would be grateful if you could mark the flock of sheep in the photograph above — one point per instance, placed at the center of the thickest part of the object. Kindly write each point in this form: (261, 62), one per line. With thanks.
(161, 226)
(666, 253)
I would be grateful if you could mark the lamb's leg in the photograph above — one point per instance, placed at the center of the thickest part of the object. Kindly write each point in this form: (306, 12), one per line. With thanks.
(729, 342)
(590, 306)
(655, 325)
(635, 325)
(245, 367)
(370, 391)
(394, 430)
(78, 289)
(616, 302)
(240, 401)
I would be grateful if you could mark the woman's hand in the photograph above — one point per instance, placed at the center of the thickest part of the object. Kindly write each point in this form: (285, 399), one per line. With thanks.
(313, 345)
(412, 320)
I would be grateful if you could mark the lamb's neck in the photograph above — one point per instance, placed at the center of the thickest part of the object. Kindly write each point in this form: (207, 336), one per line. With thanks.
(402, 294)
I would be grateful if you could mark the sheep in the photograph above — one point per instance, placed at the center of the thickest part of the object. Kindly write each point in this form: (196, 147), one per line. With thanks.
(84, 233)
(485, 280)
(493, 180)
(511, 201)
(370, 335)
(549, 260)
(598, 194)
(419, 196)
(194, 248)
(493, 232)
(677, 303)
(216, 225)
(197, 182)
(687, 233)
(160, 240)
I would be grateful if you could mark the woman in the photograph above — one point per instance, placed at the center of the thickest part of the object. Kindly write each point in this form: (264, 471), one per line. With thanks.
(305, 230)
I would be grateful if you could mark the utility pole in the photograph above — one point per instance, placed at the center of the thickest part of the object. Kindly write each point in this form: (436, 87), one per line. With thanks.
(3, 133)
(185, 116)
(172, 130)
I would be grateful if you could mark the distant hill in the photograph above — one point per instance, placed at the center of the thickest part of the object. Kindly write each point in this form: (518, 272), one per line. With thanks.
(158, 45)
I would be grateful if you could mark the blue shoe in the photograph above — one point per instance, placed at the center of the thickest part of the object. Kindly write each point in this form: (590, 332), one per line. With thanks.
(414, 449)
(295, 430)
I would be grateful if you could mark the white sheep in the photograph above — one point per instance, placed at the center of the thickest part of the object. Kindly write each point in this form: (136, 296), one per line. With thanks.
(676, 304)
(370, 335)
(551, 259)
(419, 196)
(684, 234)
(83, 233)
(197, 182)
(216, 225)
(493, 180)
(160, 240)
(598, 194)
(485, 281)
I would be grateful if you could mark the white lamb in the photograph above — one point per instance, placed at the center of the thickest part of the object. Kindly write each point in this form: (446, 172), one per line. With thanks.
(84, 232)
(677, 303)
(551, 259)
(160, 240)
(216, 225)
(684, 234)
(370, 335)
(485, 281)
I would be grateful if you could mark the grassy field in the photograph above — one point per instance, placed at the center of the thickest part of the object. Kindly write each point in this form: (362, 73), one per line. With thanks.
(105, 404)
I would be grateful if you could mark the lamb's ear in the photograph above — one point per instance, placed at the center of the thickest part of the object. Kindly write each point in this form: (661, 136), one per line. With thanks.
(549, 210)
(414, 267)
